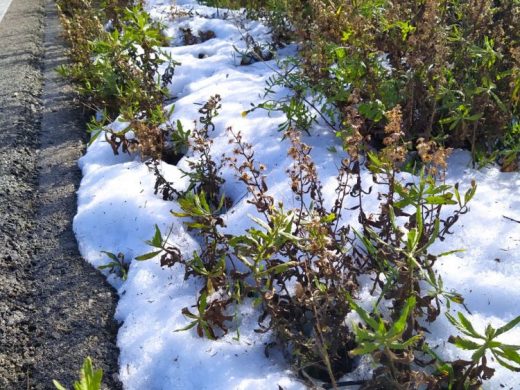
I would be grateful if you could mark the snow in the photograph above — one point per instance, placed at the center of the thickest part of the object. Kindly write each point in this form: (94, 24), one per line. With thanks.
(117, 211)
(4, 6)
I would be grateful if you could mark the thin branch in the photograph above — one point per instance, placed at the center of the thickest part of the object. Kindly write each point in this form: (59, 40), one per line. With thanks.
(511, 219)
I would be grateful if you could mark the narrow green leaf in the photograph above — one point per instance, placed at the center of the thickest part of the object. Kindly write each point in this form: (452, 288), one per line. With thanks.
(477, 355)
(419, 218)
(439, 200)
(507, 327)
(505, 364)
(467, 325)
(465, 343)
(187, 327)
(148, 256)
(157, 238)
(411, 341)
(111, 255)
(451, 252)
(399, 326)
(363, 350)
(511, 354)
(58, 385)
(277, 269)
(460, 327)
(94, 136)
(362, 313)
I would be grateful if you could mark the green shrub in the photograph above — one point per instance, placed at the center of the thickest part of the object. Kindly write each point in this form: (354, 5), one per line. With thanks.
(117, 72)
(452, 65)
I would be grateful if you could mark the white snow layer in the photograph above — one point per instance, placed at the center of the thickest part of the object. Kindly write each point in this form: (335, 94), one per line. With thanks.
(117, 211)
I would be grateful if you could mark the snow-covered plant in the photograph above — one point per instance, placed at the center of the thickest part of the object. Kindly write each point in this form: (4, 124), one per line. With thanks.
(316, 263)
(302, 107)
(170, 255)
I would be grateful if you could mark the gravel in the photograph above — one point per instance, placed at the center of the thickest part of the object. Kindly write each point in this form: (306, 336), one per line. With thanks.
(55, 309)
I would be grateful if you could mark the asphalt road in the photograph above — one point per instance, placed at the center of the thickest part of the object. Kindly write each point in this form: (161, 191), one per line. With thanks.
(55, 309)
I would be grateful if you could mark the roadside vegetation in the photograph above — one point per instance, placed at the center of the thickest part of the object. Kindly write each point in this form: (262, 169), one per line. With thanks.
(400, 83)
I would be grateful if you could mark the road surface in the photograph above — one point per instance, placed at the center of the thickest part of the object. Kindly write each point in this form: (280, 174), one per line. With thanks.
(55, 309)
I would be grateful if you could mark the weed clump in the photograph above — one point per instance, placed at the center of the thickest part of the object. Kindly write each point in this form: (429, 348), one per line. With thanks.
(452, 66)
(115, 71)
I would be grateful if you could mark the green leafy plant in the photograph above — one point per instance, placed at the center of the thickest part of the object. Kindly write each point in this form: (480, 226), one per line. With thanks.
(117, 72)
(381, 339)
(452, 67)
(256, 248)
(209, 264)
(473, 372)
(170, 255)
(118, 265)
(90, 379)
(210, 316)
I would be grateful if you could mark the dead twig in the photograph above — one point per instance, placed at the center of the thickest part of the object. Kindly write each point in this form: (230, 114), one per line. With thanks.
(511, 219)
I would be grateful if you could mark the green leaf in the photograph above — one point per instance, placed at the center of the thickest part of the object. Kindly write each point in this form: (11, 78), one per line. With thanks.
(465, 343)
(363, 350)
(419, 219)
(201, 200)
(112, 264)
(94, 136)
(434, 235)
(157, 238)
(505, 364)
(111, 255)
(187, 327)
(289, 236)
(90, 379)
(451, 252)
(507, 327)
(511, 354)
(490, 333)
(477, 355)
(475, 117)
(260, 222)
(440, 200)
(58, 385)
(278, 269)
(467, 325)
(413, 238)
(399, 326)
(470, 193)
(408, 343)
(457, 193)
(148, 256)
(362, 313)
(460, 327)
(372, 110)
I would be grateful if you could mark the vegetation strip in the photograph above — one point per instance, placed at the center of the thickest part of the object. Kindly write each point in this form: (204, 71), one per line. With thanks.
(396, 109)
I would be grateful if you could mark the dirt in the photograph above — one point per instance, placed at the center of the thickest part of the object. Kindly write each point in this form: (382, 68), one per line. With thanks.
(55, 309)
